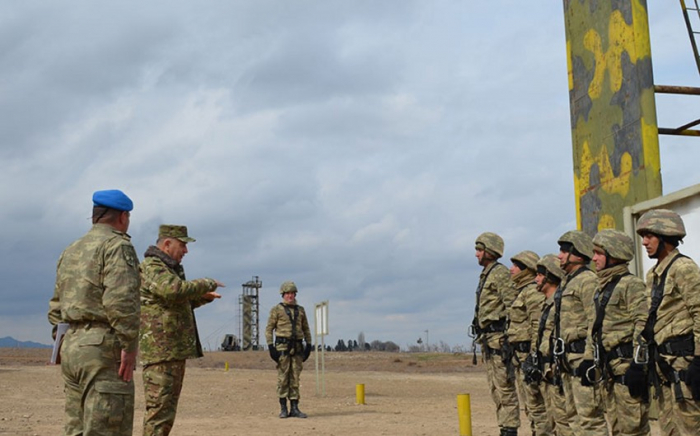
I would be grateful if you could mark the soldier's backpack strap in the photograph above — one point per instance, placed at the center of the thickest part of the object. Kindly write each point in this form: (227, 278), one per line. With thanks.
(475, 322)
(292, 319)
(601, 302)
(559, 350)
(657, 294)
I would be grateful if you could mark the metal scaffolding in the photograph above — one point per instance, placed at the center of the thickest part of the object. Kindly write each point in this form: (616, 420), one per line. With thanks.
(249, 303)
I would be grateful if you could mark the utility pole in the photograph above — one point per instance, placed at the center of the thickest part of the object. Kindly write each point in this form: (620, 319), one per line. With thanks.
(427, 341)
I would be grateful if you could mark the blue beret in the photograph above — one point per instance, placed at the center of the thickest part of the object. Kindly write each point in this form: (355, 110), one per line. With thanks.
(112, 198)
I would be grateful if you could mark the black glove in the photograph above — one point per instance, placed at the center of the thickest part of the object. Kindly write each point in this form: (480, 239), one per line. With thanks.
(692, 378)
(531, 372)
(307, 351)
(274, 354)
(582, 372)
(636, 381)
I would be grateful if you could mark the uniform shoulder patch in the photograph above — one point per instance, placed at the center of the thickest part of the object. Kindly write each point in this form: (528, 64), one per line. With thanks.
(130, 255)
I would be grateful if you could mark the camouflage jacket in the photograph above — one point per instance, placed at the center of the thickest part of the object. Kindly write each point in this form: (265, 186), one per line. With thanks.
(577, 308)
(679, 312)
(547, 331)
(496, 296)
(168, 326)
(97, 279)
(280, 323)
(625, 313)
(525, 312)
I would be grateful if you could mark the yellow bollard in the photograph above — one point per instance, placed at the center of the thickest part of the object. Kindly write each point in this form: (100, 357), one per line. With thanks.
(226, 367)
(464, 409)
(360, 394)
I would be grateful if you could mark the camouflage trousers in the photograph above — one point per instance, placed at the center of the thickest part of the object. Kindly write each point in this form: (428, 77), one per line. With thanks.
(288, 375)
(627, 415)
(678, 418)
(586, 403)
(162, 384)
(555, 403)
(532, 397)
(503, 392)
(98, 401)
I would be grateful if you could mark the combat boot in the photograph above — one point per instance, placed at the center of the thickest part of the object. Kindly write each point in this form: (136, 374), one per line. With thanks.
(295, 412)
(283, 408)
(509, 431)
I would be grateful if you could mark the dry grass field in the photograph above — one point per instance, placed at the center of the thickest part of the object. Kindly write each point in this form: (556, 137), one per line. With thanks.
(405, 394)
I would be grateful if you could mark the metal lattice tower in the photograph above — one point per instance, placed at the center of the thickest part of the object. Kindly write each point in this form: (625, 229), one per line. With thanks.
(693, 34)
(249, 302)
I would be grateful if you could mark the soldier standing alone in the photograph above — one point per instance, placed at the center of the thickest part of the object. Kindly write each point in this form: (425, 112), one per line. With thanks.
(168, 334)
(97, 282)
(290, 326)
(672, 330)
(494, 295)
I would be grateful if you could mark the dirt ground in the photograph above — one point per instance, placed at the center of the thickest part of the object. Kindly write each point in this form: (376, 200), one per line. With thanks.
(405, 394)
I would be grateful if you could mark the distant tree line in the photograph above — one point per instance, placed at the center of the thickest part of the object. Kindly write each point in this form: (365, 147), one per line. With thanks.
(361, 345)
(353, 345)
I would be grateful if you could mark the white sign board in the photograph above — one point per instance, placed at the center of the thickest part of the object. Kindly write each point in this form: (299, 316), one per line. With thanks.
(321, 319)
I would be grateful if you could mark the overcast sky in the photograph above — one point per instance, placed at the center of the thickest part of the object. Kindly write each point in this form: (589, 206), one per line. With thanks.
(357, 148)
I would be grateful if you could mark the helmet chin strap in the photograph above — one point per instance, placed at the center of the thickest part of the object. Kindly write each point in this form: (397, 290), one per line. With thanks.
(659, 248)
(571, 262)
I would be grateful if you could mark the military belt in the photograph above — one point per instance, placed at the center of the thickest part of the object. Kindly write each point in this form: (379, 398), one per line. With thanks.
(619, 379)
(488, 351)
(522, 346)
(494, 327)
(576, 347)
(279, 340)
(89, 324)
(678, 346)
(624, 351)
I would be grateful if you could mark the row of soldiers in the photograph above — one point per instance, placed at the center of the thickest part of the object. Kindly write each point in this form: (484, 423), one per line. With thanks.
(586, 344)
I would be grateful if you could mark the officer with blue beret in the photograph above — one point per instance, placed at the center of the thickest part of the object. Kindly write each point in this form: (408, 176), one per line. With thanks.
(97, 294)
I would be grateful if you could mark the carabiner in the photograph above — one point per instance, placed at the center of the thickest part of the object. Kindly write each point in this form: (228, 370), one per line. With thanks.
(594, 380)
(641, 354)
(559, 347)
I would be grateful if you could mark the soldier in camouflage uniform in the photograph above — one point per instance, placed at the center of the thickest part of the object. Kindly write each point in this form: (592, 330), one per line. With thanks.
(524, 317)
(168, 334)
(621, 312)
(494, 295)
(290, 327)
(672, 331)
(573, 317)
(96, 292)
(540, 368)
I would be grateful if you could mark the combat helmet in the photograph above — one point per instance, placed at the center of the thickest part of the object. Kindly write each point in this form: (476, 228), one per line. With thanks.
(615, 243)
(491, 243)
(549, 267)
(527, 258)
(288, 286)
(580, 241)
(662, 222)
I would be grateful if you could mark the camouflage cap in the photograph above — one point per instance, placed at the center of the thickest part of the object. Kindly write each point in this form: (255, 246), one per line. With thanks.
(615, 243)
(490, 242)
(288, 286)
(581, 242)
(550, 264)
(174, 231)
(663, 222)
(527, 258)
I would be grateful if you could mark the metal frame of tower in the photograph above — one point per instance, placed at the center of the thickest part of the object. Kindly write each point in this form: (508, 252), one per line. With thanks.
(249, 304)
